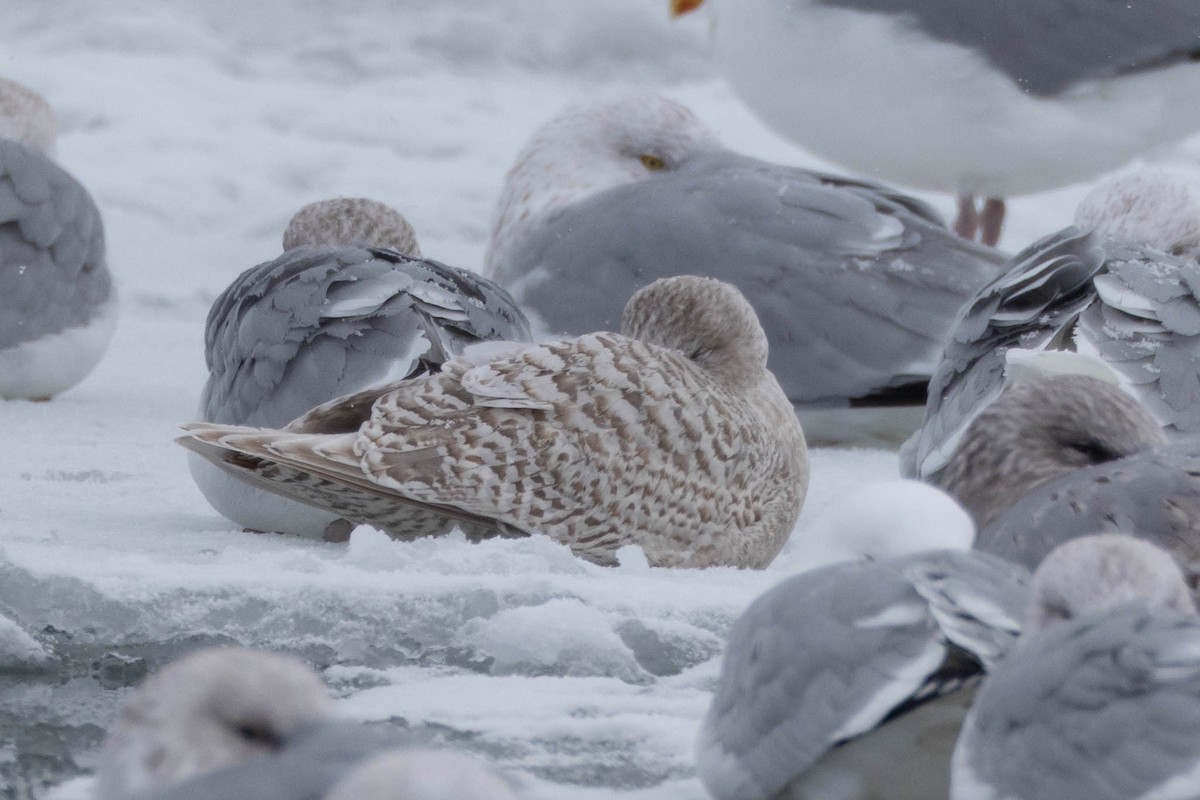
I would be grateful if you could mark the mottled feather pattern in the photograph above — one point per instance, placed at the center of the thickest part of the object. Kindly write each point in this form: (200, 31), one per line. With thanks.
(598, 442)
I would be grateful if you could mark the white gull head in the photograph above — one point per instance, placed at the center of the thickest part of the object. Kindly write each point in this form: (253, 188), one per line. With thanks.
(1149, 205)
(27, 118)
(586, 149)
(210, 709)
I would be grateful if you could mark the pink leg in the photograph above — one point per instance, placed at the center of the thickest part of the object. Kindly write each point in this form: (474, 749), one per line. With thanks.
(991, 220)
(968, 219)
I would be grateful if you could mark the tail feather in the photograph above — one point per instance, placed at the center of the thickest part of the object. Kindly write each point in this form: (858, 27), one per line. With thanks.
(291, 465)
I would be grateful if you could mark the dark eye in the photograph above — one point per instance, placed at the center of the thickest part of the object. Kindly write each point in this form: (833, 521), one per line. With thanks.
(260, 735)
(1093, 452)
(652, 163)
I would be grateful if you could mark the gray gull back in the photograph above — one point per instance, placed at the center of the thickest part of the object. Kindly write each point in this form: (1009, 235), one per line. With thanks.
(335, 314)
(849, 682)
(673, 436)
(856, 285)
(1101, 696)
(58, 306)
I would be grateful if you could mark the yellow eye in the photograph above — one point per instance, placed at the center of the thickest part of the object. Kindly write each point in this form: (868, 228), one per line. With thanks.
(652, 163)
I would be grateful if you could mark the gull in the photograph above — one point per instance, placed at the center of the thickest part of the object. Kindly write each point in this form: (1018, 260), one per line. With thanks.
(1062, 456)
(849, 682)
(58, 306)
(975, 98)
(213, 708)
(672, 435)
(1117, 296)
(350, 304)
(1100, 698)
(229, 723)
(856, 285)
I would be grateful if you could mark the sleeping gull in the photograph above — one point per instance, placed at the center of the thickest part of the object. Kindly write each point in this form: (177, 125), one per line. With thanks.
(335, 314)
(1100, 698)
(210, 709)
(856, 285)
(1121, 286)
(58, 307)
(673, 436)
(1040, 429)
(966, 96)
(849, 682)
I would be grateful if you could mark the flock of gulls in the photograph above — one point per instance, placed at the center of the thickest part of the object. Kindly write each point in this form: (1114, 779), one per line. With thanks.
(659, 325)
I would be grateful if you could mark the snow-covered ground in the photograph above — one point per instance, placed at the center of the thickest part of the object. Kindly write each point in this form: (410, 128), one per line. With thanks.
(200, 126)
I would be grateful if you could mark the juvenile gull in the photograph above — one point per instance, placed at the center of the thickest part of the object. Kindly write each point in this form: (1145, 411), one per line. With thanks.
(856, 285)
(58, 307)
(849, 682)
(1121, 286)
(967, 96)
(1101, 696)
(335, 314)
(672, 435)
(213, 708)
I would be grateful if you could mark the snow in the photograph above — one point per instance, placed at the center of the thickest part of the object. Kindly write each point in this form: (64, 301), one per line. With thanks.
(200, 126)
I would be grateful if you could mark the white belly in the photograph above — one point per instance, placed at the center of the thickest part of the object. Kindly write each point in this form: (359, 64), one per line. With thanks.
(858, 89)
(44, 367)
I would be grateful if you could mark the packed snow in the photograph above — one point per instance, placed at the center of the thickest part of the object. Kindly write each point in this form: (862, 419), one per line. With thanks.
(200, 127)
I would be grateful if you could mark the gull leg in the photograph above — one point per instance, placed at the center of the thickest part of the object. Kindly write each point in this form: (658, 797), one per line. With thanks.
(991, 220)
(968, 219)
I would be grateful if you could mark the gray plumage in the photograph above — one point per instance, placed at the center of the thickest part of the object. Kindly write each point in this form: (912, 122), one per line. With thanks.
(827, 659)
(1049, 47)
(1154, 495)
(1043, 428)
(53, 274)
(1101, 696)
(304, 765)
(673, 436)
(332, 316)
(320, 322)
(1133, 306)
(855, 284)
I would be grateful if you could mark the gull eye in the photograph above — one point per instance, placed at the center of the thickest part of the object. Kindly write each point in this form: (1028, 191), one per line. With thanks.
(259, 735)
(652, 163)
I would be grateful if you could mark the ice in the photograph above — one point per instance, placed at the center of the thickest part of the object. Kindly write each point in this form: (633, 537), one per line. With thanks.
(200, 126)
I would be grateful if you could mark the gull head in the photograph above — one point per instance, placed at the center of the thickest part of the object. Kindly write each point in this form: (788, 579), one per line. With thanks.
(1039, 429)
(589, 148)
(27, 118)
(211, 709)
(1151, 206)
(351, 222)
(709, 321)
(1093, 574)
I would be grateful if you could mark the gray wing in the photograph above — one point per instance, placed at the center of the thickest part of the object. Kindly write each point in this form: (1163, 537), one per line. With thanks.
(855, 286)
(1146, 326)
(1103, 708)
(1047, 46)
(1030, 306)
(820, 659)
(317, 323)
(303, 769)
(978, 600)
(53, 274)
(1153, 495)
